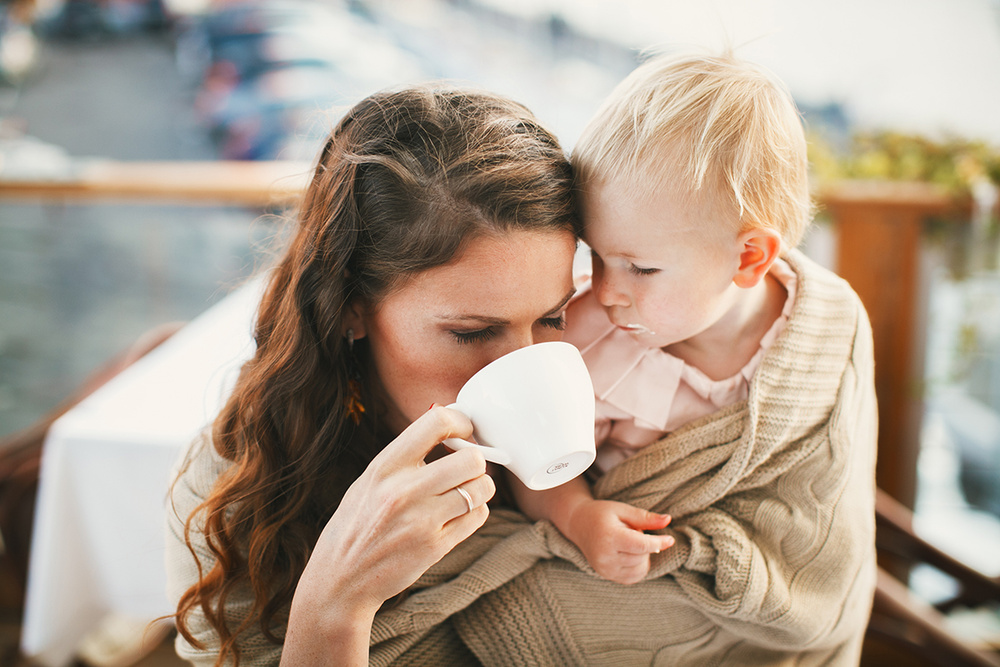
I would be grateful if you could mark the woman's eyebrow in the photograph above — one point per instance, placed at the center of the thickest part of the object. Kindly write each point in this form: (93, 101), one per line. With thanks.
(499, 321)
(562, 304)
(479, 319)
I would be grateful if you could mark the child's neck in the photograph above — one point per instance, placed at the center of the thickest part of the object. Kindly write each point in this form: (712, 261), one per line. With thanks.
(723, 349)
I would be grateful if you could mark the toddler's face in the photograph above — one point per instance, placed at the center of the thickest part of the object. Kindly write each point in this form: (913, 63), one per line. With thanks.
(664, 261)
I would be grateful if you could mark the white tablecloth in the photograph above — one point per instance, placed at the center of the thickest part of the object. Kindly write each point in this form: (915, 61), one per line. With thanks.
(98, 544)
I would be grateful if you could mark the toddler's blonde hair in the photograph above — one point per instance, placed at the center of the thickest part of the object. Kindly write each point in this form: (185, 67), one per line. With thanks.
(705, 118)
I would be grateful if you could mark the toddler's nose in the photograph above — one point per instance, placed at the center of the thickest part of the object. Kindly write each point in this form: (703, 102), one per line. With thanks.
(608, 294)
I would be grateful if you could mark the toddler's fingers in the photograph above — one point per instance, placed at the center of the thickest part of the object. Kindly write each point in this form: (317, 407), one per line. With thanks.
(641, 519)
(644, 544)
(630, 573)
(658, 543)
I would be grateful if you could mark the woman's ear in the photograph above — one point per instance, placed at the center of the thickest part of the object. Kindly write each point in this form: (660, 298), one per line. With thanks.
(354, 319)
(759, 247)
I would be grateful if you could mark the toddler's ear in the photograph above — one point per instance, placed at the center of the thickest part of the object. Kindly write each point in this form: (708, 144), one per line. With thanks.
(759, 247)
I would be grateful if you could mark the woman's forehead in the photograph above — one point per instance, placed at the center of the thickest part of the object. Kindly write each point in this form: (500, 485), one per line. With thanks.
(496, 274)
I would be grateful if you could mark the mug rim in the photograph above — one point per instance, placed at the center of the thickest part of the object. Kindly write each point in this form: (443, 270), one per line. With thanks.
(560, 343)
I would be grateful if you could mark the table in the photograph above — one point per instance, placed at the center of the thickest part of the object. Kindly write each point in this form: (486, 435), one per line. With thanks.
(98, 542)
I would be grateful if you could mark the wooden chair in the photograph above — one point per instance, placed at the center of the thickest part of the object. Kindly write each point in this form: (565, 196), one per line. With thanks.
(905, 629)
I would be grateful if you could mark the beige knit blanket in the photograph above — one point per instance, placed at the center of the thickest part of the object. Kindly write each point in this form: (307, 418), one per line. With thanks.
(773, 506)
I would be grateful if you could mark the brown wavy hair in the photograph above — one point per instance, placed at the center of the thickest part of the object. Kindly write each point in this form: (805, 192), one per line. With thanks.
(403, 181)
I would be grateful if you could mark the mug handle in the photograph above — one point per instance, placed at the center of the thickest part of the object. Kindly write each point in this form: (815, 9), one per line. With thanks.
(489, 453)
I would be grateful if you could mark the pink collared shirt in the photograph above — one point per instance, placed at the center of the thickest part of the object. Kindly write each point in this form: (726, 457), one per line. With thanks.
(644, 393)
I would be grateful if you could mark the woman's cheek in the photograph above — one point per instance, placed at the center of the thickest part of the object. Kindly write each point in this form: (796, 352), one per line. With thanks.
(439, 378)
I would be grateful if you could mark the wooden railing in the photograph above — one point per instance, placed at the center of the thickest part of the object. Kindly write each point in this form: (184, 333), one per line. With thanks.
(879, 229)
(256, 184)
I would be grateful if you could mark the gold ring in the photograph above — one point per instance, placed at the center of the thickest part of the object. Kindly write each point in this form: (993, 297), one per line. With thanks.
(468, 498)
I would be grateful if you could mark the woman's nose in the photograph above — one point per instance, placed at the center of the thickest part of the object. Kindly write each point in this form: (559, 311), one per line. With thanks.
(518, 340)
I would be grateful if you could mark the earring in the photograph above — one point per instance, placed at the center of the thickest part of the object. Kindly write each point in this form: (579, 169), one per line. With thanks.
(352, 402)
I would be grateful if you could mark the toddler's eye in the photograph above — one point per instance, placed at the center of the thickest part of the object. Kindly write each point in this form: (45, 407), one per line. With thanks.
(639, 271)
(478, 336)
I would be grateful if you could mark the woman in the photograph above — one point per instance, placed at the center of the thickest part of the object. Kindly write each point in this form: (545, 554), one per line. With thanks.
(437, 235)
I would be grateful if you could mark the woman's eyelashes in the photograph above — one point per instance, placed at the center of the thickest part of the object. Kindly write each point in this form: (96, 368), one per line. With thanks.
(558, 322)
(488, 333)
(477, 336)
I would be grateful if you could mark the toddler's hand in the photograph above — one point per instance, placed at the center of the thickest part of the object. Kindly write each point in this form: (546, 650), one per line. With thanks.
(611, 535)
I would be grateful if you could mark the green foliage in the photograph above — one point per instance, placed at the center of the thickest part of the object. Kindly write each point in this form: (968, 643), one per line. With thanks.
(952, 163)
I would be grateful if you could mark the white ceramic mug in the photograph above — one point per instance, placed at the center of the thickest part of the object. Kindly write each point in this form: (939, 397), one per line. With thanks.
(533, 412)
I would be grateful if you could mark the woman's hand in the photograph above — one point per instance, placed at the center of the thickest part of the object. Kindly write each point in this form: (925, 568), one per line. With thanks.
(397, 519)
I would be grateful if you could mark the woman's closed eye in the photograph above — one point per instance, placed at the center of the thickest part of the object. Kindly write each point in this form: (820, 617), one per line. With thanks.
(476, 336)
(558, 322)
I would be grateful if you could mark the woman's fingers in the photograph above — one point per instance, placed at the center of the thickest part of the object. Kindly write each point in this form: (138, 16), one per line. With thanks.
(453, 469)
(464, 525)
(412, 445)
(400, 516)
(466, 497)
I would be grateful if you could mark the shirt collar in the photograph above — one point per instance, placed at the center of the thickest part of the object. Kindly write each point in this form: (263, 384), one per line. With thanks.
(614, 356)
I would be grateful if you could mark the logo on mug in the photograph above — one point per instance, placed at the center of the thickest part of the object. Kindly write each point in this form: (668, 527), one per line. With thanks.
(557, 467)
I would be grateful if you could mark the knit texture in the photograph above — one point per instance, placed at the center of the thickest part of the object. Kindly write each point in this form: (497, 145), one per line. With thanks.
(773, 506)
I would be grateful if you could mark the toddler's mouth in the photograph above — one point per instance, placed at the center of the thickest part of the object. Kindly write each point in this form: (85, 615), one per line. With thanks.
(638, 329)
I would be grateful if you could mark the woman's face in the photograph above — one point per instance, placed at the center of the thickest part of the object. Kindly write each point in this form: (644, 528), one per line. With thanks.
(432, 334)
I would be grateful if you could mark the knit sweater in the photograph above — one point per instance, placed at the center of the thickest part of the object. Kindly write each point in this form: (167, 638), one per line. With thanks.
(773, 506)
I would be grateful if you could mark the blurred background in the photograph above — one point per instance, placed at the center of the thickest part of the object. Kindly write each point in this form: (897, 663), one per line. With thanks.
(892, 91)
